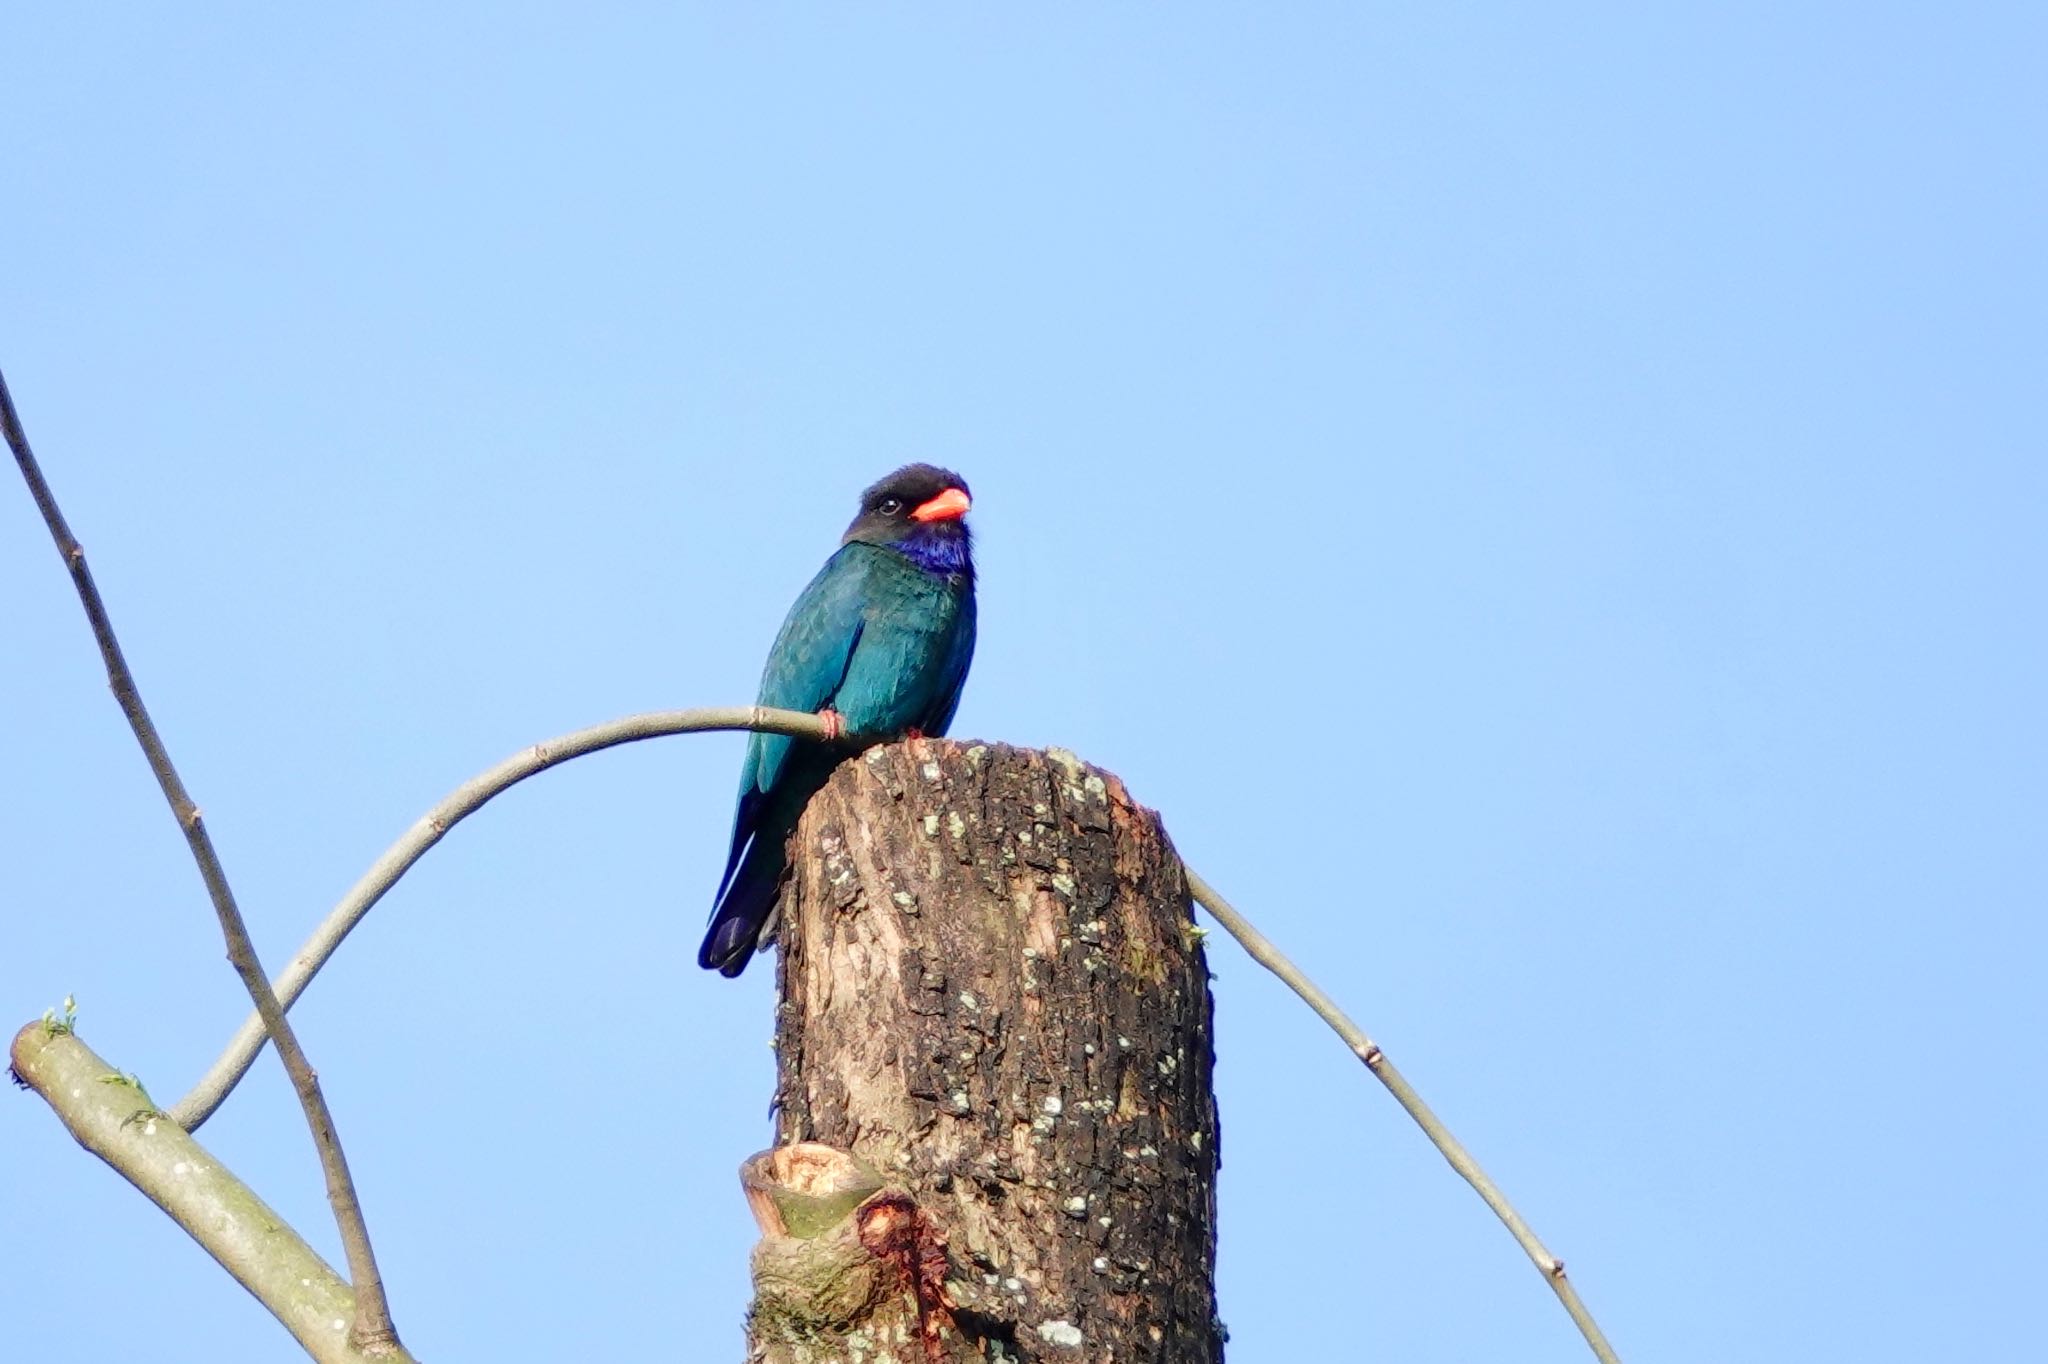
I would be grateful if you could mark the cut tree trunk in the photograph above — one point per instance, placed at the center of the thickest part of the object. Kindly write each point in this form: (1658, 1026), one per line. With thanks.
(995, 1003)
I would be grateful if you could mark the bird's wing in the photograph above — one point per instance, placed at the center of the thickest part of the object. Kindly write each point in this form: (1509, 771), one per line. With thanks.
(804, 670)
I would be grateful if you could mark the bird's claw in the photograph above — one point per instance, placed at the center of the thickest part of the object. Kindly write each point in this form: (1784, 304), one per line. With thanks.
(835, 725)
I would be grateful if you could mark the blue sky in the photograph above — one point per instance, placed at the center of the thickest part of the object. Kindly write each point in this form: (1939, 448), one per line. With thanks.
(1547, 504)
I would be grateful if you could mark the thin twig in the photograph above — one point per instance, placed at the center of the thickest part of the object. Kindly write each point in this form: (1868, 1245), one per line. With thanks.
(1265, 954)
(112, 1117)
(372, 1330)
(465, 800)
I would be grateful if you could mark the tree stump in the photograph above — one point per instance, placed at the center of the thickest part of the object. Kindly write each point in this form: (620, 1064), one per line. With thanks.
(993, 997)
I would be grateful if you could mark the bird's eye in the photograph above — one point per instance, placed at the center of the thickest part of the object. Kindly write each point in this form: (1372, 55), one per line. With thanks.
(889, 506)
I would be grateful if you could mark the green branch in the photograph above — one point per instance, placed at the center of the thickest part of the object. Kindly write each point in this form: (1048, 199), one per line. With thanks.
(112, 1117)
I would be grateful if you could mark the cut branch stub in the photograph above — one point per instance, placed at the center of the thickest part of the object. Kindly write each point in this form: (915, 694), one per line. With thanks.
(806, 1189)
(841, 1261)
(992, 994)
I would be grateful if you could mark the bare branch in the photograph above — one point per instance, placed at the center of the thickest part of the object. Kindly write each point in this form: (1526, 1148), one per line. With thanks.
(113, 1118)
(1265, 954)
(213, 1088)
(372, 1330)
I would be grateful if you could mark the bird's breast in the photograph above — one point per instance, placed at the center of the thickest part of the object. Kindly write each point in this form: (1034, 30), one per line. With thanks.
(909, 637)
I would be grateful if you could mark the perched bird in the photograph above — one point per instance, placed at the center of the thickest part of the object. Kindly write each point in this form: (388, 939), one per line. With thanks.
(881, 638)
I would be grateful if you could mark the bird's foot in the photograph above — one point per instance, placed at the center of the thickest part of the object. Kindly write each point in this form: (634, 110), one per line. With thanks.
(913, 733)
(835, 725)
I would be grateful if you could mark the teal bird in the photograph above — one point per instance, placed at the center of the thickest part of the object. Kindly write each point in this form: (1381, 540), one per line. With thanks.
(881, 638)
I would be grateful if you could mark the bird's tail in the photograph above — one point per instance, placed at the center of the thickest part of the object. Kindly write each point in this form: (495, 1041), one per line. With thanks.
(746, 908)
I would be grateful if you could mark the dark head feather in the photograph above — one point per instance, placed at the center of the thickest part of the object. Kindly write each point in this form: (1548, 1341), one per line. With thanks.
(887, 517)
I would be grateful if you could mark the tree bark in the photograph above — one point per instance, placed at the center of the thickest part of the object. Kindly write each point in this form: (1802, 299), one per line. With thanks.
(994, 1001)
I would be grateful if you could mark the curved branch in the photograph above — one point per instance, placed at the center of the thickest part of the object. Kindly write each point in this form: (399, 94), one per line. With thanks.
(473, 794)
(206, 1096)
(1365, 1049)
(373, 1329)
(112, 1118)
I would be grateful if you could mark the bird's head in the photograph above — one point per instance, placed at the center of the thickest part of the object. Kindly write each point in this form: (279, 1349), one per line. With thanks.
(920, 512)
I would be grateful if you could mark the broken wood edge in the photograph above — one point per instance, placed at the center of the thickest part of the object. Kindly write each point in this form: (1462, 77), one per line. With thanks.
(805, 1189)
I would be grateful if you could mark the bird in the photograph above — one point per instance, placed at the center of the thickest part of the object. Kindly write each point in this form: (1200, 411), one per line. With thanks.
(879, 643)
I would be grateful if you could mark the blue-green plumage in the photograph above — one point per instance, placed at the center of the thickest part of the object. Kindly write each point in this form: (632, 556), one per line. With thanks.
(882, 635)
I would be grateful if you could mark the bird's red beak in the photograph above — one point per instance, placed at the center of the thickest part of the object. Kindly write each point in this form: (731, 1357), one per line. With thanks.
(949, 505)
